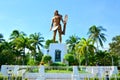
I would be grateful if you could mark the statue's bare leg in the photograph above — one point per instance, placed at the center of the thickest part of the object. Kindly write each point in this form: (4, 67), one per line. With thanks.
(54, 36)
(60, 37)
(60, 34)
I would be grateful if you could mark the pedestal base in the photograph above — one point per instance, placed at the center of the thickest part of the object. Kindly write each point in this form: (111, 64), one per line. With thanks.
(57, 51)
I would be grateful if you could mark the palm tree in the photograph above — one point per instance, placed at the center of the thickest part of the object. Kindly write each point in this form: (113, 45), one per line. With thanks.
(84, 47)
(15, 34)
(71, 42)
(95, 33)
(22, 43)
(103, 58)
(16, 38)
(36, 42)
(1, 38)
(6, 54)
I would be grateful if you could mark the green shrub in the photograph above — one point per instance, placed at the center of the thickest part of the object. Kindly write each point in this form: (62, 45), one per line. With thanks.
(3, 77)
(32, 69)
(31, 62)
(70, 69)
(25, 79)
(69, 57)
(46, 58)
(19, 77)
(58, 64)
(13, 78)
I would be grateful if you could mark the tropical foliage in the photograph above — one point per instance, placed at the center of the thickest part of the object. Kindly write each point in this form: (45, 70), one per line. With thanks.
(84, 48)
(115, 45)
(48, 42)
(20, 45)
(22, 49)
(115, 48)
(71, 42)
(46, 59)
(96, 34)
(1, 38)
(70, 58)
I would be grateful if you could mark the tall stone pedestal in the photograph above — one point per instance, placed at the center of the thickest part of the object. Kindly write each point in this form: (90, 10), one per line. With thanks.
(57, 51)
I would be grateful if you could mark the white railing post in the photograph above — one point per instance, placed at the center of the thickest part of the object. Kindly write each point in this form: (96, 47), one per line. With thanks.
(42, 73)
(75, 75)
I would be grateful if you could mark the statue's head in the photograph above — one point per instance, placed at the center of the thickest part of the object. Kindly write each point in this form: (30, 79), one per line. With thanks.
(56, 12)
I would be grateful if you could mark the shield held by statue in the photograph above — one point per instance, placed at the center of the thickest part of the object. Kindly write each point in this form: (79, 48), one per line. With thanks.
(65, 22)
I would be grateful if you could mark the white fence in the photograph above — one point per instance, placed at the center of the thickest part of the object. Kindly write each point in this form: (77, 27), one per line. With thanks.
(90, 72)
(74, 72)
(35, 76)
(65, 76)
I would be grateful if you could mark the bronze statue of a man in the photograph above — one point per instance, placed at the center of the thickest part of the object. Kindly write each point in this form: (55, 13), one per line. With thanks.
(56, 26)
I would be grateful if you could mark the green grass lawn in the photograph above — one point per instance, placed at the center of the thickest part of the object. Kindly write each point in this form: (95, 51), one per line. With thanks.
(58, 71)
(64, 71)
(84, 72)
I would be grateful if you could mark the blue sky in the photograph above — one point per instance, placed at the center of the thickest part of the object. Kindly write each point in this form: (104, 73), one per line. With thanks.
(32, 16)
